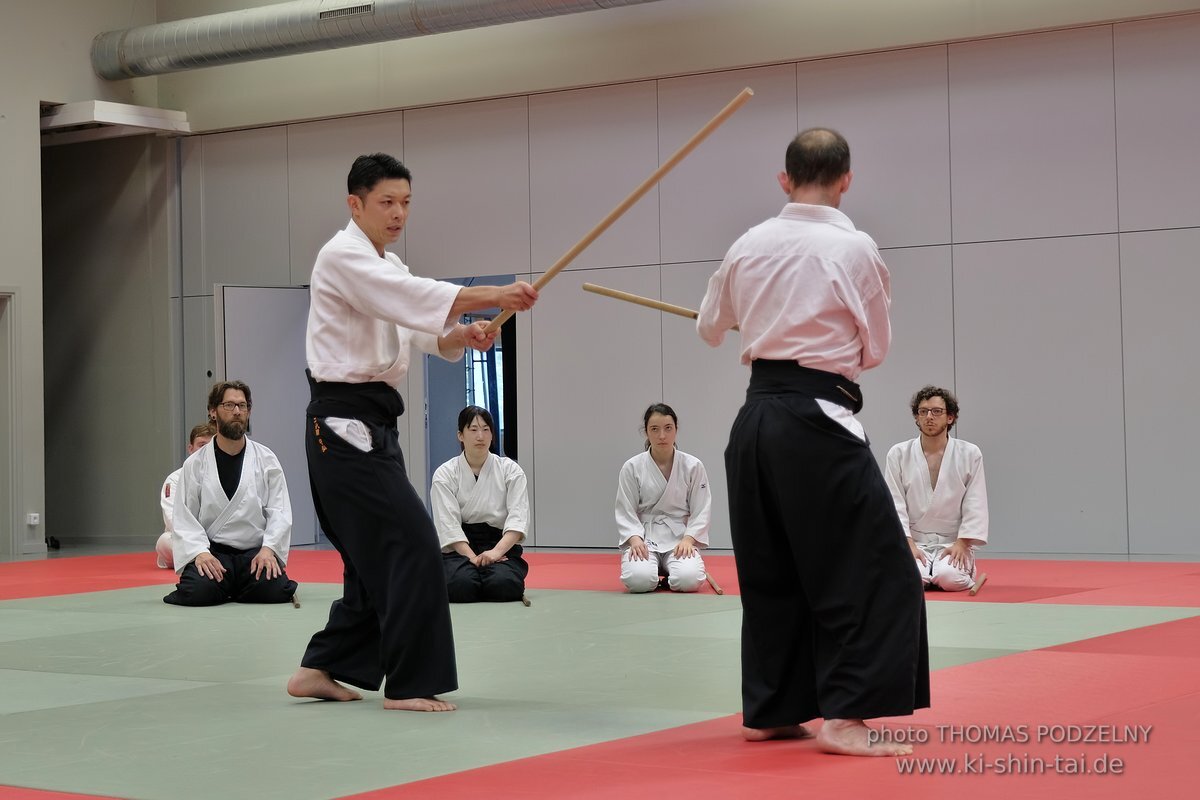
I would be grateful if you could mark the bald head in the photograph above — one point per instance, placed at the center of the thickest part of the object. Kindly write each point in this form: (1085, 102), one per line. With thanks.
(817, 157)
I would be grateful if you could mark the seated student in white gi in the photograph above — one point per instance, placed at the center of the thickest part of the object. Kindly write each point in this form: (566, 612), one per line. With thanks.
(200, 436)
(481, 511)
(663, 509)
(938, 487)
(233, 517)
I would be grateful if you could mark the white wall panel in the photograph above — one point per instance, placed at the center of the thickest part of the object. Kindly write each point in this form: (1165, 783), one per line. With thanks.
(588, 149)
(1038, 359)
(705, 386)
(922, 351)
(245, 210)
(729, 182)
(596, 366)
(1159, 287)
(1031, 136)
(892, 109)
(1158, 122)
(470, 211)
(319, 158)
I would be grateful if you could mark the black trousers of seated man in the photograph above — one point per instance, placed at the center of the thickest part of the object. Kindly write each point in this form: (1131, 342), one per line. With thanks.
(238, 586)
(501, 582)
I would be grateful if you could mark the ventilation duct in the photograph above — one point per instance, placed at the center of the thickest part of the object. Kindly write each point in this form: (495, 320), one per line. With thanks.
(306, 26)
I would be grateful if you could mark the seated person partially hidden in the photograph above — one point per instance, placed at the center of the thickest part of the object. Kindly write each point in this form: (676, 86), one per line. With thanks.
(232, 515)
(481, 512)
(938, 487)
(165, 549)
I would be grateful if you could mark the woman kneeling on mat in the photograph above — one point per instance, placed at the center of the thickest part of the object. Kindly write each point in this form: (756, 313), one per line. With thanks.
(481, 511)
(663, 508)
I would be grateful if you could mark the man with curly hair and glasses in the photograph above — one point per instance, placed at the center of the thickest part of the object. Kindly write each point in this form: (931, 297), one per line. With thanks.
(938, 486)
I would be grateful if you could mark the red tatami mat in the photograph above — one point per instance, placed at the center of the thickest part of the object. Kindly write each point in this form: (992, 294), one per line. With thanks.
(1030, 714)
(1009, 581)
(55, 576)
(21, 793)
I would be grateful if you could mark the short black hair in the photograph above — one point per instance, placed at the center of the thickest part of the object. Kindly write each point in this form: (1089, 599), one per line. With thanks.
(366, 171)
(817, 156)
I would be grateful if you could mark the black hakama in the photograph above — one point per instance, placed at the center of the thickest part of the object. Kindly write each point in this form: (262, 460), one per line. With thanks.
(833, 614)
(392, 623)
(501, 582)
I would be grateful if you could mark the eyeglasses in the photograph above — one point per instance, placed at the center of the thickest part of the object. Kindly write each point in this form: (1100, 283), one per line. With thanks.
(930, 412)
(230, 406)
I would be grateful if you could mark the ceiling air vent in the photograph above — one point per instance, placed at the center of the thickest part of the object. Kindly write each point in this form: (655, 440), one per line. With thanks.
(348, 11)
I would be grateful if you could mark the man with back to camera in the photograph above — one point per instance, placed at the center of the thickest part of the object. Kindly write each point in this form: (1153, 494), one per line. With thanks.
(826, 630)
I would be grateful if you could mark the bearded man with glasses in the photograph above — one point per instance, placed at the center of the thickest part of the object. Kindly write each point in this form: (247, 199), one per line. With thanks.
(232, 514)
(938, 486)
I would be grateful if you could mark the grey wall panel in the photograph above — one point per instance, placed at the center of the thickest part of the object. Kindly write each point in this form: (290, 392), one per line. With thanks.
(705, 386)
(729, 182)
(922, 351)
(410, 429)
(180, 425)
(892, 109)
(595, 369)
(264, 346)
(191, 211)
(588, 149)
(319, 157)
(470, 212)
(1159, 287)
(104, 338)
(1031, 136)
(1158, 122)
(199, 358)
(245, 210)
(1038, 359)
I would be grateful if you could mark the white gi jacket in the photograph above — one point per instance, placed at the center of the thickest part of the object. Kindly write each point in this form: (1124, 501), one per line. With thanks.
(259, 513)
(957, 509)
(662, 512)
(824, 304)
(499, 498)
(365, 311)
(166, 499)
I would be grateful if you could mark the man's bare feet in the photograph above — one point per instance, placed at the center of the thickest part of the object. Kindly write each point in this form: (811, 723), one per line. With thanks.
(317, 684)
(852, 737)
(418, 704)
(782, 732)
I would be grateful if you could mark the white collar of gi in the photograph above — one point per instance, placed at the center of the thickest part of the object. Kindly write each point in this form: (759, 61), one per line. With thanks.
(811, 213)
(357, 232)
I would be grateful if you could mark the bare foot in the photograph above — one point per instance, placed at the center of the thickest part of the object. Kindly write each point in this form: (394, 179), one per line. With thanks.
(418, 704)
(317, 684)
(782, 732)
(852, 737)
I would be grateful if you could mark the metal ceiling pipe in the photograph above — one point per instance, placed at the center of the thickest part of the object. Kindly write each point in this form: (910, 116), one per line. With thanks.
(306, 26)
